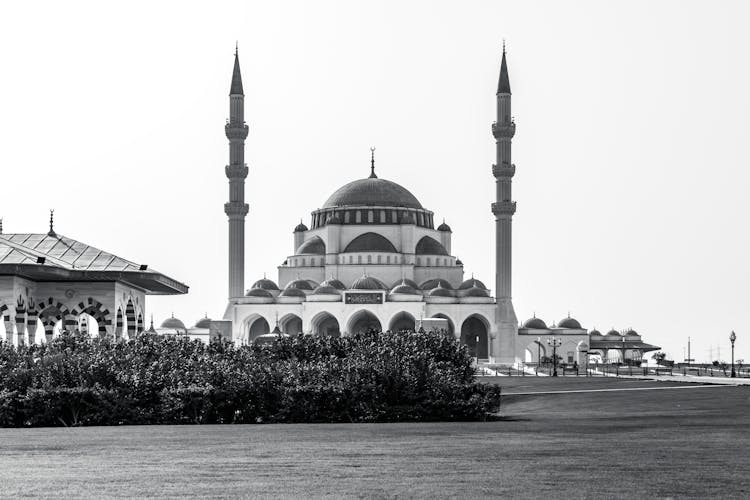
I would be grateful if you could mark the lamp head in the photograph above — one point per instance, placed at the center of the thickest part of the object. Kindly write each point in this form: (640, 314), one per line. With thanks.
(732, 337)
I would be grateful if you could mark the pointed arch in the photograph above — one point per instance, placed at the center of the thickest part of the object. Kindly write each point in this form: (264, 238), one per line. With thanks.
(362, 321)
(291, 324)
(325, 323)
(402, 321)
(475, 334)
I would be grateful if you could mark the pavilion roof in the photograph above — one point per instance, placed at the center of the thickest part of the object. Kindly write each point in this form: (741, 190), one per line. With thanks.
(45, 257)
(623, 344)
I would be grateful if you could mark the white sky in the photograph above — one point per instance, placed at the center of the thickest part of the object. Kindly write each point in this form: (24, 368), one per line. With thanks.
(631, 147)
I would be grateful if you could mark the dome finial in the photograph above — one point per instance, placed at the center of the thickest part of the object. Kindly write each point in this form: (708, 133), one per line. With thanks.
(152, 322)
(51, 222)
(372, 164)
(1, 225)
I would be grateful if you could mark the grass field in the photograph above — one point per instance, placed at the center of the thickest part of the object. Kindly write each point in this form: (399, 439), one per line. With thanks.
(686, 442)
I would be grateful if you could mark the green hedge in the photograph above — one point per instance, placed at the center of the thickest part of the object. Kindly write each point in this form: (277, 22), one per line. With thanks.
(373, 377)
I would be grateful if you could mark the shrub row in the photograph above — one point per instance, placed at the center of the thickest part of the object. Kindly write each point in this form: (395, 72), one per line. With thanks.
(372, 377)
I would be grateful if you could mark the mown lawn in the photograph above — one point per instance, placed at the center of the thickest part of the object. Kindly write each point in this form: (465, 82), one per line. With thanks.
(679, 443)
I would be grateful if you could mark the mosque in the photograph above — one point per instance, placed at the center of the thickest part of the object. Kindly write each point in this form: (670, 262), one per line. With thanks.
(371, 258)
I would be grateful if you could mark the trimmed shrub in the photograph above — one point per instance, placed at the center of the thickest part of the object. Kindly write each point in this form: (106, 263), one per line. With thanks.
(372, 377)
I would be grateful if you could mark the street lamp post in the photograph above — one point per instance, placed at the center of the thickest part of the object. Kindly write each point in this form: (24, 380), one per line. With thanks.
(554, 343)
(538, 352)
(476, 349)
(732, 338)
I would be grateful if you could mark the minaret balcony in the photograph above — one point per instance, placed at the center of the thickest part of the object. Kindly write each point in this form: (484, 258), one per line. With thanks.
(236, 171)
(504, 170)
(236, 209)
(504, 208)
(236, 130)
(504, 130)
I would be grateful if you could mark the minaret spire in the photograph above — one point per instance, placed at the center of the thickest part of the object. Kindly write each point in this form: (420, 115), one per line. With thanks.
(236, 209)
(504, 207)
(372, 164)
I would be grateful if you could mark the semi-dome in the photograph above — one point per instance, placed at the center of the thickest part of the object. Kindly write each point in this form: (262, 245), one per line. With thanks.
(326, 290)
(440, 291)
(476, 291)
(368, 283)
(265, 284)
(406, 281)
(292, 292)
(299, 284)
(337, 284)
(204, 322)
(370, 242)
(470, 283)
(314, 246)
(535, 324)
(300, 228)
(372, 192)
(569, 323)
(405, 288)
(434, 283)
(430, 246)
(258, 292)
(173, 323)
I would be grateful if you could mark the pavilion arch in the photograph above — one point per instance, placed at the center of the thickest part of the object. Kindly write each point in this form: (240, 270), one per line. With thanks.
(93, 308)
(118, 323)
(253, 326)
(473, 326)
(325, 324)
(130, 317)
(139, 323)
(402, 321)
(6, 326)
(534, 351)
(451, 325)
(53, 314)
(362, 320)
(291, 324)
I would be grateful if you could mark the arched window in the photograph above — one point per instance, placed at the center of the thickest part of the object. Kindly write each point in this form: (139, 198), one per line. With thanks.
(370, 217)
(303, 262)
(429, 261)
(347, 217)
(359, 259)
(387, 259)
(394, 217)
(369, 259)
(358, 217)
(351, 259)
(379, 258)
(382, 216)
(419, 261)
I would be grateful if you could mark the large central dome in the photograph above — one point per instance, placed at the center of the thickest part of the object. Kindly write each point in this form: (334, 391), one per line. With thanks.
(372, 192)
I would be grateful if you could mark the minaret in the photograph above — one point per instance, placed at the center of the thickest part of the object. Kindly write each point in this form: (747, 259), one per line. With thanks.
(503, 130)
(236, 131)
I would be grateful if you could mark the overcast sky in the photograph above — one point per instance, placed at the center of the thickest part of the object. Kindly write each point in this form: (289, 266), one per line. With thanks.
(631, 147)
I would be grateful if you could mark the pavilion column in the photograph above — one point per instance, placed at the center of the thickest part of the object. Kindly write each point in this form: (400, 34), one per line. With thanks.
(20, 322)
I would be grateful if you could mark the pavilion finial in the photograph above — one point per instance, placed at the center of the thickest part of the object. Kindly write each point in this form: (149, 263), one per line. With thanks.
(152, 321)
(237, 47)
(503, 45)
(1, 225)
(372, 164)
(51, 222)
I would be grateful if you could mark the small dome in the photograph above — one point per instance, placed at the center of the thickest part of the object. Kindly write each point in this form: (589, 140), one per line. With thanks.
(434, 283)
(613, 333)
(535, 324)
(470, 283)
(299, 284)
(265, 284)
(595, 332)
(406, 281)
(203, 323)
(476, 291)
(444, 227)
(326, 290)
(292, 292)
(368, 283)
(258, 292)
(268, 338)
(632, 332)
(440, 291)
(337, 284)
(569, 323)
(459, 263)
(173, 323)
(405, 288)
(300, 228)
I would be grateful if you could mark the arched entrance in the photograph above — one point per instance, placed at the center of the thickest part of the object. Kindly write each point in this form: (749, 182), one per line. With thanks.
(325, 323)
(451, 328)
(291, 324)
(474, 335)
(402, 321)
(534, 353)
(257, 326)
(363, 321)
